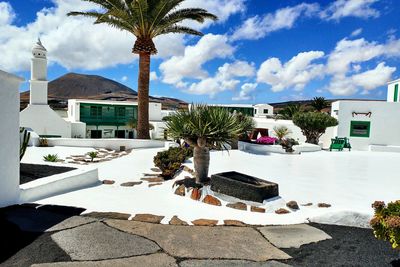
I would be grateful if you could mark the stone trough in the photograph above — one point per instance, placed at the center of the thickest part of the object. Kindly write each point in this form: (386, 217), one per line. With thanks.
(243, 186)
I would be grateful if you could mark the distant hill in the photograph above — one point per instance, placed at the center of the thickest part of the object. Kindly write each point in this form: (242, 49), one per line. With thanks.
(81, 86)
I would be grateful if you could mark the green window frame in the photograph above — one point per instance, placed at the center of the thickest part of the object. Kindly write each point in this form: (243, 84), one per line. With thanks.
(360, 129)
(396, 93)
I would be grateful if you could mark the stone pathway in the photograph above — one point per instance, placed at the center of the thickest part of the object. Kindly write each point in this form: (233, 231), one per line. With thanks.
(109, 239)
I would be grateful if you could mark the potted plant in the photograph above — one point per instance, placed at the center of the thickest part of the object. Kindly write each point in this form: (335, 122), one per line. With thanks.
(205, 128)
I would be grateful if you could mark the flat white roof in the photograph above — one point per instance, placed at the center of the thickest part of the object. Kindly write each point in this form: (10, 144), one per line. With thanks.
(107, 102)
(395, 81)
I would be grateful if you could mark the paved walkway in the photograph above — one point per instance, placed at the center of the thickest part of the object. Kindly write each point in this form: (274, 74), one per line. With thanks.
(59, 236)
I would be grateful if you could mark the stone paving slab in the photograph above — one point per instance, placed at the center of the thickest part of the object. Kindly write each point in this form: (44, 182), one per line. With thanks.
(153, 260)
(71, 222)
(205, 242)
(293, 236)
(230, 263)
(97, 241)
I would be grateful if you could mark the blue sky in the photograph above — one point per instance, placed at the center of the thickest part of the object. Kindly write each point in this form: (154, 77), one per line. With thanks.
(259, 51)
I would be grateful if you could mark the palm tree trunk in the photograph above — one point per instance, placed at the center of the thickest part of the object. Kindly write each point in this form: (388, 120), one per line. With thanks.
(143, 96)
(201, 163)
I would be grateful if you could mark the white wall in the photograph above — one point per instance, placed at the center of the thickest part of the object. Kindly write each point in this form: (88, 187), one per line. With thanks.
(9, 138)
(44, 121)
(390, 92)
(385, 122)
(296, 131)
(78, 130)
(155, 112)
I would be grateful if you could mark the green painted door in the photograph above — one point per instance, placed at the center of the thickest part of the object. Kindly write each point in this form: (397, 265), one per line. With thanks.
(396, 93)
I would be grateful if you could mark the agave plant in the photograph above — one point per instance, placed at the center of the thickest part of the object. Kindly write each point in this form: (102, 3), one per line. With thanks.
(146, 19)
(205, 128)
(281, 132)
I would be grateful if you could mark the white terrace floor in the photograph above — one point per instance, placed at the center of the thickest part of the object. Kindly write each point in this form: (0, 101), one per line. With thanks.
(349, 181)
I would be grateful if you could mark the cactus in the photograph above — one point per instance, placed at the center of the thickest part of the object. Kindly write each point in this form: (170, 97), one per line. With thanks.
(24, 137)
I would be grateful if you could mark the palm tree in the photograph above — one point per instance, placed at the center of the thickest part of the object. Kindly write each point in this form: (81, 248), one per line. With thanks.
(281, 132)
(289, 111)
(319, 103)
(205, 128)
(146, 19)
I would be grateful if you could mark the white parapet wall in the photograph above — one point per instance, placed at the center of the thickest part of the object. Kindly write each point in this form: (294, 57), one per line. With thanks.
(267, 149)
(114, 144)
(58, 184)
(9, 138)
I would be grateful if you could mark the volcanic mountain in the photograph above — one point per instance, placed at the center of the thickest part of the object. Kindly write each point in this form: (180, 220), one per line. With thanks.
(82, 86)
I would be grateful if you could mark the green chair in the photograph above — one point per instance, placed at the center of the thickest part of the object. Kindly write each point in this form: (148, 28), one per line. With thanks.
(340, 144)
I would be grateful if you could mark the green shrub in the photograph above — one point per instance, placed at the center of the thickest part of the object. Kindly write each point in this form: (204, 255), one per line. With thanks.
(313, 124)
(386, 222)
(93, 155)
(170, 161)
(51, 158)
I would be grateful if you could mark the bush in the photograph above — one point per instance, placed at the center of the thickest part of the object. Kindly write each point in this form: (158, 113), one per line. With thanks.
(170, 161)
(93, 155)
(386, 222)
(288, 144)
(51, 158)
(313, 125)
(266, 140)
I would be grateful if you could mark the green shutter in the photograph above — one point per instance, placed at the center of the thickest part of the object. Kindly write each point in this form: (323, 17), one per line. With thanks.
(396, 93)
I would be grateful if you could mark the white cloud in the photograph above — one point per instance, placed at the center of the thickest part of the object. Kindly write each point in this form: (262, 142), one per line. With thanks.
(153, 76)
(189, 65)
(225, 79)
(124, 78)
(350, 8)
(244, 94)
(258, 27)
(367, 81)
(7, 14)
(357, 32)
(75, 43)
(297, 72)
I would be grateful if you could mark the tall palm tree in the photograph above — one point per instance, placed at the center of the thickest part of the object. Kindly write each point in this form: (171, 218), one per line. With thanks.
(205, 128)
(289, 111)
(319, 103)
(146, 19)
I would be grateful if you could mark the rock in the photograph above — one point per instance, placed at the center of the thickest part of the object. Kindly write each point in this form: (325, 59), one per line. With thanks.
(151, 185)
(176, 221)
(234, 223)
(324, 205)
(282, 211)
(257, 209)
(181, 191)
(130, 184)
(292, 205)
(196, 194)
(205, 222)
(237, 205)
(155, 170)
(153, 179)
(148, 218)
(108, 182)
(307, 204)
(212, 200)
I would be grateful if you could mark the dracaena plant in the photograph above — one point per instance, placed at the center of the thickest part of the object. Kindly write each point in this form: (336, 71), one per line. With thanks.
(204, 128)
(146, 19)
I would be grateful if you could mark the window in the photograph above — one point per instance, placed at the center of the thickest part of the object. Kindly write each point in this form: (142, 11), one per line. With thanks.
(255, 111)
(96, 111)
(360, 129)
(396, 93)
(120, 111)
(265, 111)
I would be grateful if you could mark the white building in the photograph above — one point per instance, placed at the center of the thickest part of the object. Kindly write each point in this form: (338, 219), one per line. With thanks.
(38, 115)
(393, 91)
(263, 110)
(9, 138)
(110, 119)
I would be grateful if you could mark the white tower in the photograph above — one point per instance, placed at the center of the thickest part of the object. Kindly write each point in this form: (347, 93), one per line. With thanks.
(38, 80)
